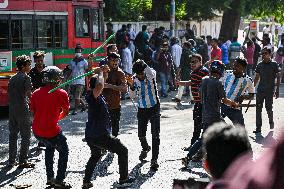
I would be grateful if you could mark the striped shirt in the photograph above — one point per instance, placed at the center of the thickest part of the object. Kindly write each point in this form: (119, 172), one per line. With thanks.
(235, 87)
(196, 80)
(146, 90)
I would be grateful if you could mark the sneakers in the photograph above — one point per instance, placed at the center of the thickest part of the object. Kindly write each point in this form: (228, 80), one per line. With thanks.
(74, 113)
(24, 165)
(176, 100)
(144, 153)
(154, 165)
(125, 183)
(50, 181)
(61, 184)
(87, 185)
(257, 131)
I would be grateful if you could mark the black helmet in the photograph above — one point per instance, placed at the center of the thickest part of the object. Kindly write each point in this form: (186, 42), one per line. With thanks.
(139, 66)
(217, 67)
(52, 75)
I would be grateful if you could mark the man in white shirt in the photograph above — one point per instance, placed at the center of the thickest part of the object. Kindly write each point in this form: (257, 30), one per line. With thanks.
(126, 60)
(266, 29)
(79, 66)
(132, 36)
(176, 51)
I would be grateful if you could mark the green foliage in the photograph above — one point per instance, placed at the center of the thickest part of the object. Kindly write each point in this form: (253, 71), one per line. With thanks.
(135, 10)
(127, 10)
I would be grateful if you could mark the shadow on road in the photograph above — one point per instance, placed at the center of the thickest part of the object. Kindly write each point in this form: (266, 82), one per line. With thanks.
(138, 176)
(101, 168)
(7, 177)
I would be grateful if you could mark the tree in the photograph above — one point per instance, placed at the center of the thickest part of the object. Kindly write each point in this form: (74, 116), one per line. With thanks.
(231, 20)
(127, 10)
(136, 10)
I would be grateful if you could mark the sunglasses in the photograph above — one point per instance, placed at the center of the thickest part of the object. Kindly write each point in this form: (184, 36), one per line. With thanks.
(194, 62)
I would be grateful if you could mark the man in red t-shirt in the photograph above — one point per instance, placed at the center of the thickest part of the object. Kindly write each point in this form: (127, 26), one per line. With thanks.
(48, 109)
(216, 52)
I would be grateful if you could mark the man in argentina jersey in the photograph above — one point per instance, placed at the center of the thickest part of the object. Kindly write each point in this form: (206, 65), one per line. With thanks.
(236, 84)
(143, 85)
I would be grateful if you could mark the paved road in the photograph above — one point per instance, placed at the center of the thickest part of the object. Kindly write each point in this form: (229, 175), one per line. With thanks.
(176, 131)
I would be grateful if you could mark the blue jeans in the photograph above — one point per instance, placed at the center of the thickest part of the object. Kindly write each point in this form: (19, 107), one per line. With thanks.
(56, 143)
(164, 82)
(236, 116)
(198, 143)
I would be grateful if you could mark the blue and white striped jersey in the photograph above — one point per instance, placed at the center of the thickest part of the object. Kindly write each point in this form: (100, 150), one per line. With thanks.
(146, 90)
(235, 87)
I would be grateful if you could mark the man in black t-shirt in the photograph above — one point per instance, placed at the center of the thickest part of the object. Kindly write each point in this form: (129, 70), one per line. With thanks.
(266, 71)
(35, 73)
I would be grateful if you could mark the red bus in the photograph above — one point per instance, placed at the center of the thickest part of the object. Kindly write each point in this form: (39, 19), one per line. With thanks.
(54, 26)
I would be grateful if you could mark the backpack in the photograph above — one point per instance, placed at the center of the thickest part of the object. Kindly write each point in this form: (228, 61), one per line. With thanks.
(280, 51)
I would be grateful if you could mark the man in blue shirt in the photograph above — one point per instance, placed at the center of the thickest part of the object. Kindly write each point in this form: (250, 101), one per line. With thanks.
(98, 129)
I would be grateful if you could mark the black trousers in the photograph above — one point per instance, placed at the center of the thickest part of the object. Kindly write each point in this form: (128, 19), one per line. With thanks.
(260, 99)
(115, 118)
(145, 115)
(111, 144)
(197, 119)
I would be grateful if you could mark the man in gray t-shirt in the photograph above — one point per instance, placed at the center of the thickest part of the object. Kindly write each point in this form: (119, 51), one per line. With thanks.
(19, 91)
(212, 92)
(266, 71)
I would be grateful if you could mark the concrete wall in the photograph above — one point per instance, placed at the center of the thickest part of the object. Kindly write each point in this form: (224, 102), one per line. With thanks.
(210, 27)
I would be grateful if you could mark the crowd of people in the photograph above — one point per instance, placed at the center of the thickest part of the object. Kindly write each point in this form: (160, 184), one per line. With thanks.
(217, 74)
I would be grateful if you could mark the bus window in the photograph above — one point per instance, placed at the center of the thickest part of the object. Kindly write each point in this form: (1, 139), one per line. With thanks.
(82, 22)
(44, 33)
(60, 33)
(96, 24)
(22, 34)
(4, 34)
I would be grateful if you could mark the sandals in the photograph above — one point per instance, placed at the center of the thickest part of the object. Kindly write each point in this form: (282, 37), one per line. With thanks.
(26, 165)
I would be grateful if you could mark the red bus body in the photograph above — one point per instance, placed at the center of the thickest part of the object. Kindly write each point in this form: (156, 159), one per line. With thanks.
(51, 9)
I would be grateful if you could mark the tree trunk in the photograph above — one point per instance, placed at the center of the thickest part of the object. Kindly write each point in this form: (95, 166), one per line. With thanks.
(231, 21)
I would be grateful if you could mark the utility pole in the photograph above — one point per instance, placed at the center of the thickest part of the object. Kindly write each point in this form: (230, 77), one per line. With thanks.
(172, 18)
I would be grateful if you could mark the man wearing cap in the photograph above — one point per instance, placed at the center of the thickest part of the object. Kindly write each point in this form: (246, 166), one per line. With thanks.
(79, 66)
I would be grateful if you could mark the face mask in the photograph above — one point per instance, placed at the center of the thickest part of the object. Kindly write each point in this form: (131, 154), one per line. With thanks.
(78, 55)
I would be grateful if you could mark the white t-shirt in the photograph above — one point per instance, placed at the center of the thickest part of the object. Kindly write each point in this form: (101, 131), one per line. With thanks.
(127, 60)
(266, 30)
(176, 51)
(78, 68)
